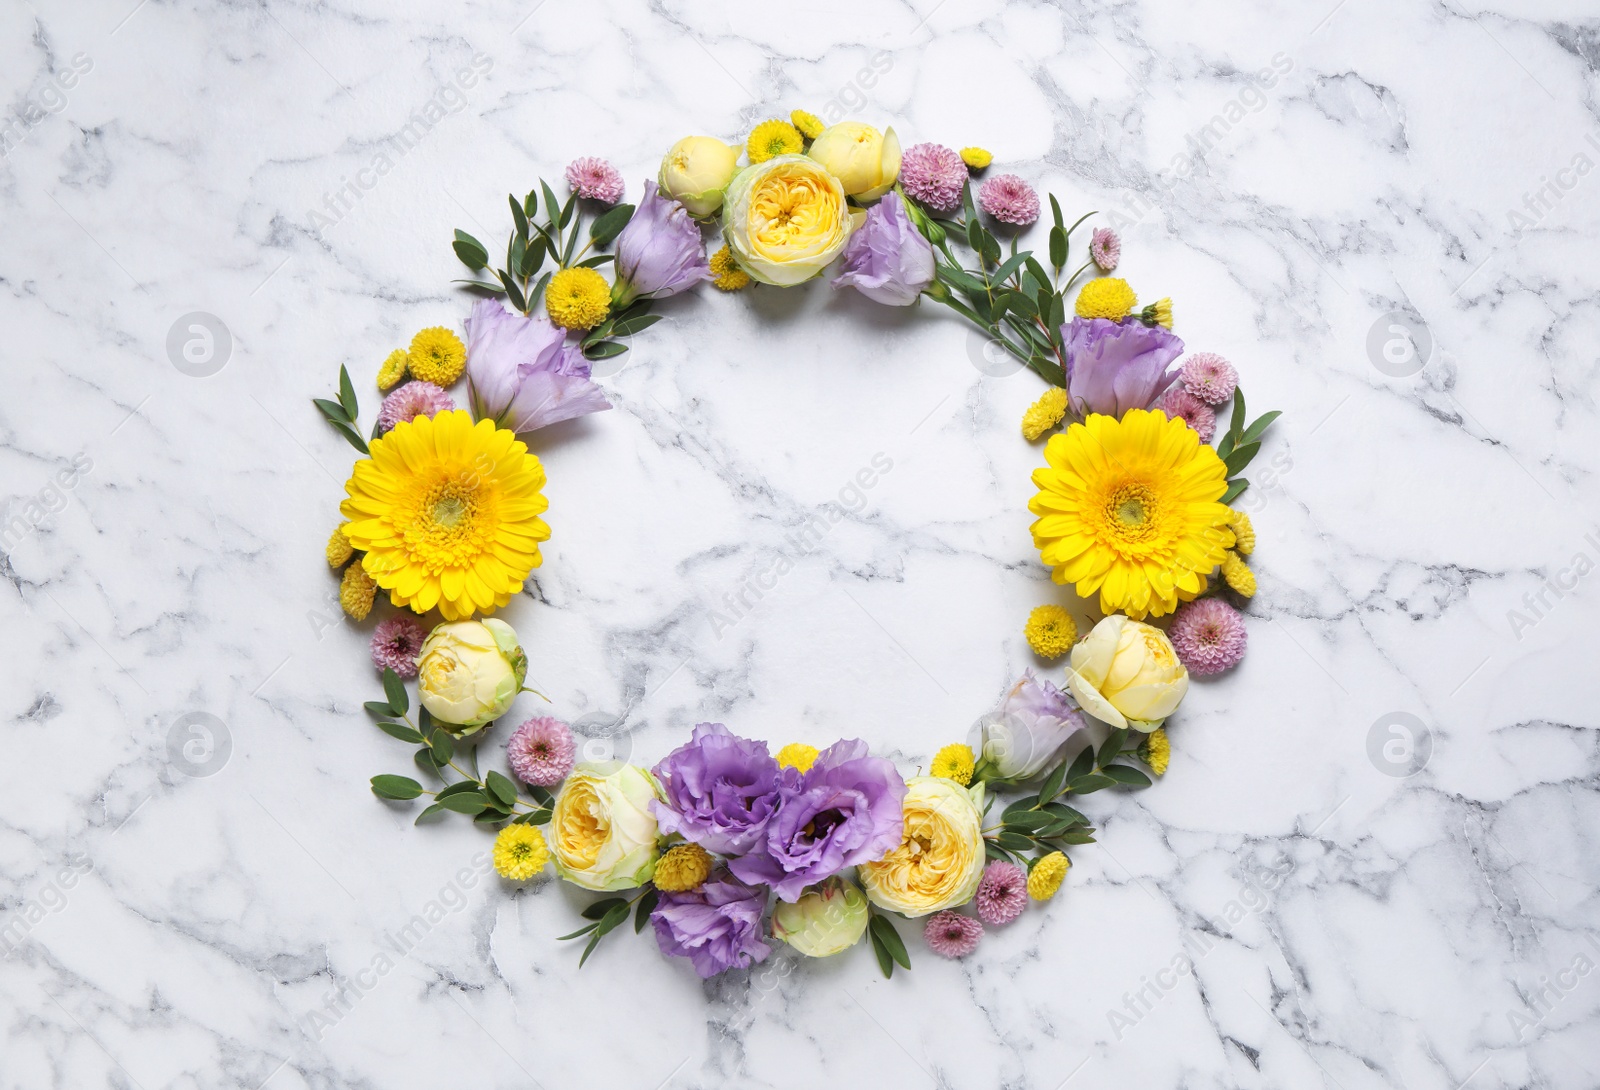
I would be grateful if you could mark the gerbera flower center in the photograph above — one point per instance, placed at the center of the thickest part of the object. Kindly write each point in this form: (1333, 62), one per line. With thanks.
(1131, 513)
(449, 509)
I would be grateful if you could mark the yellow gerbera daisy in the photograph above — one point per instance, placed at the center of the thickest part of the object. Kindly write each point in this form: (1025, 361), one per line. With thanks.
(1051, 631)
(448, 514)
(1047, 875)
(798, 755)
(1128, 508)
(773, 138)
(520, 852)
(577, 298)
(393, 369)
(1045, 413)
(810, 125)
(437, 356)
(976, 158)
(954, 762)
(725, 272)
(1106, 297)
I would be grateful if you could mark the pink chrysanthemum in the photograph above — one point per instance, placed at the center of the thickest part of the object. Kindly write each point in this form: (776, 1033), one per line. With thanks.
(595, 179)
(933, 175)
(1003, 893)
(1209, 377)
(1106, 248)
(1178, 402)
(1208, 635)
(541, 751)
(951, 934)
(410, 401)
(1009, 199)
(396, 643)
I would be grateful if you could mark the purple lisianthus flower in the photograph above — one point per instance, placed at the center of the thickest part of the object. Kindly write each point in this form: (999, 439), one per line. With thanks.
(717, 926)
(720, 790)
(887, 259)
(1023, 735)
(846, 809)
(1117, 366)
(660, 252)
(522, 373)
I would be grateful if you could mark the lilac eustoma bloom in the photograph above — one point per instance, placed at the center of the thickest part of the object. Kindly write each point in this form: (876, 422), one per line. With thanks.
(846, 809)
(1117, 366)
(522, 373)
(719, 790)
(887, 259)
(660, 252)
(717, 927)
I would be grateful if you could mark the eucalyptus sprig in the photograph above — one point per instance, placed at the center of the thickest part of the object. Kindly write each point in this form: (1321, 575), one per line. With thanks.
(344, 413)
(887, 945)
(608, 913)
(1241, 443)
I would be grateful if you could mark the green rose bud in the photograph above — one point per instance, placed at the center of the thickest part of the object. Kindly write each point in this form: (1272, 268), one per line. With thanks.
(469, 673)
(825, 920)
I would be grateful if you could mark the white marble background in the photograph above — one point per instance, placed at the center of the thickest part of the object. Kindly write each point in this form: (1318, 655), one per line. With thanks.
(1350, 928)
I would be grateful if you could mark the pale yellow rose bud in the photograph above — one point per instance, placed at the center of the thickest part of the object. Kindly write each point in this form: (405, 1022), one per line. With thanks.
(1126, 673)
(696, 170)
(826, 920)
(865, 161)
(469, 673)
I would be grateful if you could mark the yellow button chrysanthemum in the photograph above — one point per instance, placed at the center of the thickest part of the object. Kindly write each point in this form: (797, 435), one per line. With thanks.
(955, 762)
(1106, 297)
(1051, 631)
(437, 356)
(447, 512)
(1244, 534)
(393, 369)
(338, 551)
(1128, 509)
(1156, 751)
(682, 868)
(725, 272)
(1047, 875)
(810, 125)
(976, 158)
(771, 139)
(520, 852)
(1237, 574)
(577, 298)
(356, 591)
(1158, 313)
(798, 755)
(1045, 413)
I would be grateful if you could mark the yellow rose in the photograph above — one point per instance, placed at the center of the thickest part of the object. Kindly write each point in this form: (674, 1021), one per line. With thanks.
(785, 219)
(696, 170)
(1126, 673)
(865, 161)
(602, 834)
(939, 864)
(469, 673)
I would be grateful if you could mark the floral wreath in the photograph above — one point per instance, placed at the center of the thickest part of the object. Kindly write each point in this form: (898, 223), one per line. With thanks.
(723, 848)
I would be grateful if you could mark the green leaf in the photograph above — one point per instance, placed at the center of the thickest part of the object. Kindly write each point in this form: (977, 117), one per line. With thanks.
(1225, 446)
(627, 327)
(596, 261)
(457, 788)
(428, 811)
(890, 938)
(959, 278)
(1112, 746)
(1081, 764)
(604, 350)
(519, 218)
(1055, 212)
(647, 905)
(1009, 266)
(1058, 315)
(332, 410)
(967, 206)
(395, 690)
(1236, 419)
(1255, 431)
(382, 711)
(1058, 246)
(513, 292)
(566, 209)
(1238, 459)
(443, 751)
(400, 731)
(1125, 774)
(1030, 821)
(532, 258)
(347, 394)
(1062, 810)
(881, 952)
(1077, 836)
(552, 207)
(352, 438)
(395, 787)
(594, 940)
(424, 759)
(1234, 488)
(501, 788)
(598, 910)
(578, 933)
(530, 203)
(465, 802)
(1013, 842)
(1019, 806)
(1084, 785)
(470, 251)
(993, 850)
(1054, 781)
(538, 290)
(609, 225)
(537, 817)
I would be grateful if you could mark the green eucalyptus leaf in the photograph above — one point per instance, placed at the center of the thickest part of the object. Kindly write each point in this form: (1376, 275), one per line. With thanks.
(890, 938)
(609, 225)
(428, 811)
(464, 802)
(400, 731)
(1125, 774)
(471, 252)
(458, 788)
(347, 394)
(1238, 459)
(332, 410)
(395, 787)
(1112, 746)
(598, 910)
(1235, 487)
(1058, 246)
(1254, 431)
(519, 218)
(501, 788)
(395, 690)
(647, 905)
(604, 350)
(1094, 781)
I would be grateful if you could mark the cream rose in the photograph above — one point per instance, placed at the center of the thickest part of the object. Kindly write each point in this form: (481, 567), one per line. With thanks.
(695, 171)
(865, 161)
(941, 860)
(470, 672)
(1126, 673)
(785, 220)
(602, 833)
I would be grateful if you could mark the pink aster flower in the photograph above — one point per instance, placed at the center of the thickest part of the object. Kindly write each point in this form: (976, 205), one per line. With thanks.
(396, 643)
(951, 934)
(1003, 893)
(933, 175)
(1106, 248)
(596, 179)
(1179, 403)
(541, 751)
(1208, 635)
(1009, 199)
(1209, 377)
(410, 401)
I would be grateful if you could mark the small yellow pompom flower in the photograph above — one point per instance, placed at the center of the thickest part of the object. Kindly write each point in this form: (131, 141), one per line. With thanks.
(798, 755)
(725, 272)
(437, 356)
(773, 138)
(577, 298)
(684, 867)
(1051, 631)
(339, 551)
(810, 125)
(393, 369)
(1106, 297)
(1044, 414)
(1244, 534)
(1047, 875)
(1156, 751)
(1237, 574)
(520, 852)
(356, 591)
(976, 158)
(1158, 313)
(954, 762)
